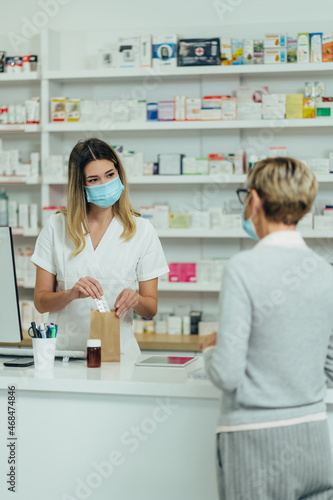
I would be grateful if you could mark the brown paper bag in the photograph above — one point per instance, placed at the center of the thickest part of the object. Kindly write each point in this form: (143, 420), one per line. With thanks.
(105, 326)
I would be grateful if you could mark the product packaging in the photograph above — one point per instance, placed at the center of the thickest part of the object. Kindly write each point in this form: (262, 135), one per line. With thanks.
(228, 108)
(18, 64)
(249, 111)
(327, 52)
(152, 111)
(277, 151)
(275, 56)
(138, 111)
(324, 109)
(273, 41)
(226, 51)
(32, 108)
(170, 164)
(202, 166)
(309, 108)
(306, 222)
(237, 51)
(193, 108)
(174, 325)
(73, 110)
(180, 102)
(108, 57)
(219, 166)
(166, 110)
(274, 106)
(258, 51)
(145, 51)
(189, 166)
(195, 318)
(161, 216)
(310, 89)
(164, 51)
(129, 52)
(291, 49)
(303, 48)
(179, 221)
(2, 61)
(319, 165)
(248, 51)
(58, 109)
(10, 65)
(199, 52)
(319, 89)
(330, 155)
(199, 220)
(294, 106)
(316, 47)
(29, 63)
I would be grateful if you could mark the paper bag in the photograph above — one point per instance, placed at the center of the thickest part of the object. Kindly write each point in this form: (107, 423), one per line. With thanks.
(105, 326)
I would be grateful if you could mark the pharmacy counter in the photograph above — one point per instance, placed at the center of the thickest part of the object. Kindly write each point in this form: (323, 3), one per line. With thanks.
(120, 432)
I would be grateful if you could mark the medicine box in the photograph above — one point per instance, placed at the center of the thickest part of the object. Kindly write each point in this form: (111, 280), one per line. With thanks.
(327, 50)
(248, 51)
(166, 110)
(306, 222)
(145, 51)
(152, 111)
(73, 110)
(310, 89)
(324, 109)
(161, 216)
(199, 52)
(193, 108)
(129, 52)
(309, 108)
(108, 57)
(323, 222)
(170, 164)
(303, 48)
(138, 110)
(291, 49)
(58, 109)
(164, 51)
(319, 165)
(258, 51)
(237, 51)
(148, 213)
(316, 42)
(210, 113)
(226, 52)
(200, 220)
(275, 56)
(294, 106)
(249, 111)
(174, 325)
(275, 40)
(229, 108)
(189, 166)
(179, 221)
(179, 110)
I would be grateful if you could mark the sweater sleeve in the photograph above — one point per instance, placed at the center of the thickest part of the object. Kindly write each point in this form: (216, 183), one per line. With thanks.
(226, 362)
(329, 362)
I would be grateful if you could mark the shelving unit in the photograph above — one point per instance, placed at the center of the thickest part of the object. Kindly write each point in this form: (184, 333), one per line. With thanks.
(304, 138)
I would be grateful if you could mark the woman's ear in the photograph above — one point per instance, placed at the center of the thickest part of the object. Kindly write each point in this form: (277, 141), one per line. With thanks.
(256, 201)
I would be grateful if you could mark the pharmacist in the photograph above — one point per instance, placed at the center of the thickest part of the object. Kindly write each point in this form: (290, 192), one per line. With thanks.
(98, 245)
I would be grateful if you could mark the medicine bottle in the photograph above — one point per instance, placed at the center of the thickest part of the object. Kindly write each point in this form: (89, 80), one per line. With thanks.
(94, 353)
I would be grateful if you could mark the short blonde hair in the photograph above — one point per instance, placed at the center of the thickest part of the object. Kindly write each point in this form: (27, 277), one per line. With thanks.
(286, 187)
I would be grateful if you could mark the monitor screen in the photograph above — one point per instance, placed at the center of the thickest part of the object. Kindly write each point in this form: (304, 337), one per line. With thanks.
(10, 321)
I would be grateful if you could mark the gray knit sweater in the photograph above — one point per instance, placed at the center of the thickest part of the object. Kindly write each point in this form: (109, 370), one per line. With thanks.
(274, 349)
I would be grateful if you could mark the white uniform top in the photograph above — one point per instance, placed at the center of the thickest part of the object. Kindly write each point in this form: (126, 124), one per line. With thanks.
(115, 263)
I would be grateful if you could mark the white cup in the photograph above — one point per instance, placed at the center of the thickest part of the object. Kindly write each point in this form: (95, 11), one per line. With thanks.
(44, 354)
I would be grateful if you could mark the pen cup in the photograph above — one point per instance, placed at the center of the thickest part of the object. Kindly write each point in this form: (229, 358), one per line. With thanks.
(44, 354)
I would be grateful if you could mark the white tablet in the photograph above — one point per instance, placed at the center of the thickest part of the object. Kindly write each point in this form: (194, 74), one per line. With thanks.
(167, 361)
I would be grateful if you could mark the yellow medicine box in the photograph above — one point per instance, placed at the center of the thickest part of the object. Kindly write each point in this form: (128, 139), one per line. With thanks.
(309, 107)
(179, 221)
(294, 106)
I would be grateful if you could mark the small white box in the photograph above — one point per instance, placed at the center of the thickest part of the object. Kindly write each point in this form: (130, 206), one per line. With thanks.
(248, 51)
(218, 167)
(229, 108)
(129, 52)
(306, 222)
(211, 114)
(107, 58)
(275, 56)
(161, 216)
(174, 325)
(33, 211)
(231, 221)
(145, 51)
(215, 217)
(200, 220)
(193, 108)
(120, 110)
(319, 165)
(275, 40)
(202, 166)
(170, 164)
(249, 111)
(180, 102)
(138, 111)
(324, 222)
(23, 219)
(189, 166)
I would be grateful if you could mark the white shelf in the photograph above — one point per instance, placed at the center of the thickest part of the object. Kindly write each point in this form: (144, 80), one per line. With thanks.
(234, 233)
(19, 77)
(186, 125)
(19, 179)
(103, 74)
(18, 231)
(188, 287)
(26, 128)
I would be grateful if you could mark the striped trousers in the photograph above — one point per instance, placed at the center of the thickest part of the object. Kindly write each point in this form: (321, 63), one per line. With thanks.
(282, 463)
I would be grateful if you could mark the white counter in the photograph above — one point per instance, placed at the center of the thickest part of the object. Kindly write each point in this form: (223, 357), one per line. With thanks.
(120, 432)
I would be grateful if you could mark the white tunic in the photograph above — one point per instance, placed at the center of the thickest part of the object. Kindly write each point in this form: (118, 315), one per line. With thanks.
(115, 263)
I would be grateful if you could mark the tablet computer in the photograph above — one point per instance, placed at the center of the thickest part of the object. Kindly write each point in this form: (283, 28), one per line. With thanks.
(167, 361)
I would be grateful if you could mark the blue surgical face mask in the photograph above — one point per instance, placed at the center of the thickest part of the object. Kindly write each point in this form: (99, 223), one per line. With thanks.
(105, 195)
(248, 226)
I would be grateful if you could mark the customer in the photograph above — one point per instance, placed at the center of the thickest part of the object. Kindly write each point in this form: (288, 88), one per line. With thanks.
(274, 347)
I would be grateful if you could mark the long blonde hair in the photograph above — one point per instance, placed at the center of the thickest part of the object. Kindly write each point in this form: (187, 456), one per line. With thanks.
(83, 153)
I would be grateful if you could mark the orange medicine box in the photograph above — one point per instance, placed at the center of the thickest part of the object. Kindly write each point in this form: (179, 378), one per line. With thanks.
(309, 108)
(328, 48)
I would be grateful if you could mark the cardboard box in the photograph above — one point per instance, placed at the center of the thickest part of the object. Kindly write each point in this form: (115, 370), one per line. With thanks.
(249, 111)
(275, 56)
(73, 110)
(248, 51)
(228, 108)
(210, 114)
(170, 164)
(258, 51)
(179, 221)
(145, 51)
(138, 111)
(324, 109)
(108, 57)
(164, 51)
(152, 111)
(180, 112)
(291, 49)
(303, 48)
(309, 108)
(275, 40)
(327, 51)
(294, 106)
(166, 110)
(274, 106)
(316, 47)
(319, 89)
(199, 220)
(193, 108)
(189, 166)
(226, 51)
(319, 165)
(199, 52)
(237, 51)
(129, 52)
(58, 109)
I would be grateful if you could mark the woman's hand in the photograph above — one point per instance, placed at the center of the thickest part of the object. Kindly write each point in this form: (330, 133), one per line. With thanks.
(127, 299)
(209, 341)
(86, 287)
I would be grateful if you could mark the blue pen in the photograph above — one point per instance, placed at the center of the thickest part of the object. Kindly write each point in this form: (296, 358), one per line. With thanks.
(42, 331)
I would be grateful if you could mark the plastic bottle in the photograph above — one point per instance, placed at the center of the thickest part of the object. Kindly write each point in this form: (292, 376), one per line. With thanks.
(3, 208)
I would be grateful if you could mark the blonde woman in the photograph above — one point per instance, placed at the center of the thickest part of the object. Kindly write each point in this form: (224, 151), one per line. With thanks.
(273, 352)
(98, 246)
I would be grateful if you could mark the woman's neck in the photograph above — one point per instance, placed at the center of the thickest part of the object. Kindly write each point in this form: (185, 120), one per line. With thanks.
(269, 227)
(99, 215)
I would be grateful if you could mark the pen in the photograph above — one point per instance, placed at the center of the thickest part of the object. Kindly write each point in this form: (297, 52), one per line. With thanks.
(42, 331)
(34, 329)
(52, 332)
